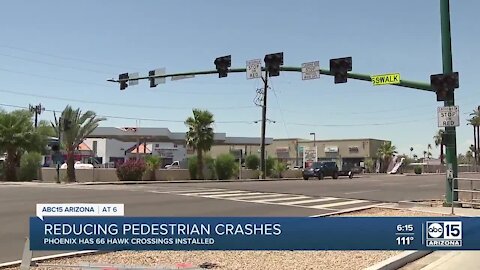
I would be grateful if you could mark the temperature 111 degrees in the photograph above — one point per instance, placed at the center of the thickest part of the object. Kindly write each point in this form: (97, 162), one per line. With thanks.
(404, 240)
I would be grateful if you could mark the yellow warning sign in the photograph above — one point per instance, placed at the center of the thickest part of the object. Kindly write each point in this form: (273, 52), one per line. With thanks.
(393, 78)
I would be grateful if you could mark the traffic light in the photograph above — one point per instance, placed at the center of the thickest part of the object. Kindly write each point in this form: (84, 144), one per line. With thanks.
(151, 79)
(123, 78)
(222, 64)
(339, 67)
(273, 62)
(444, 84)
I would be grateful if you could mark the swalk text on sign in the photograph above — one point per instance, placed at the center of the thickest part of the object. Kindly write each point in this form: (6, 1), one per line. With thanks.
(448, 116)
(383, 79)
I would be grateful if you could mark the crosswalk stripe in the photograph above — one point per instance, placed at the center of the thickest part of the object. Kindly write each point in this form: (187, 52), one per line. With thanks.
(232, 196)
(264, 195)
(281, 199)
(212, 193)
(338, 204)
(309, 201)
(191, 190)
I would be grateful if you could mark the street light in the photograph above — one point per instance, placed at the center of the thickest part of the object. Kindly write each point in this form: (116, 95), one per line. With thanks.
(313, 133)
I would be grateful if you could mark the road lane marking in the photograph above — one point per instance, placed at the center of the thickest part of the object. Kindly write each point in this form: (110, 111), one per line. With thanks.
(232, 195)
(186, 190)
(309, 201)
(282, 199)
(362, 191)
(330, 205)
(265, 195)
(212, 193)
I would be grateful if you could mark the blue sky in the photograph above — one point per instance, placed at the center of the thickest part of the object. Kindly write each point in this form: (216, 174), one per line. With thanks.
(61, 52)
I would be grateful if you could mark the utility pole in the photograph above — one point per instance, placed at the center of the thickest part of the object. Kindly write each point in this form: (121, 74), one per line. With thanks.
(263, 165)
(451, 145)
(37, 109)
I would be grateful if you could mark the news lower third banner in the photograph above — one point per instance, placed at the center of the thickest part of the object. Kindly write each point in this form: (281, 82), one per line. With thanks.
(254, 233)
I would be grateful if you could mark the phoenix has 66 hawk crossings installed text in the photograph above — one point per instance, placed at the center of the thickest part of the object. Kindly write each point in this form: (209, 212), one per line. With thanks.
(62, 229)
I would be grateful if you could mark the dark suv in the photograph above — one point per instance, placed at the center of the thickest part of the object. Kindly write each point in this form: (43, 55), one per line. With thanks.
(321, 169)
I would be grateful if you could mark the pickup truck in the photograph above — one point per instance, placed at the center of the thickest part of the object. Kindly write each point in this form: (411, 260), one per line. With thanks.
(325, 168)
(174, 165)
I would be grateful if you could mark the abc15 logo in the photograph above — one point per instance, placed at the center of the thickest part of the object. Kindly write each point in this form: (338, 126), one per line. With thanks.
(447, 230)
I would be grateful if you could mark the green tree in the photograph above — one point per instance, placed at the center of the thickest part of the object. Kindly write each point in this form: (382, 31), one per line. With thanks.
(200, 135)
(225, 166)
(475, 122)
(278, 169)
(438, 142)
(469, 157)
(369, 165)
(269, 162)
(17, 135)
(385, 153)
(30, 163)
(252, 162)
(81, 125)
(152, 163)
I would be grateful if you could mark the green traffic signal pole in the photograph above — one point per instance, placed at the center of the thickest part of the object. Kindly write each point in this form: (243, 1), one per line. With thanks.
(451, 145)
(356, 76)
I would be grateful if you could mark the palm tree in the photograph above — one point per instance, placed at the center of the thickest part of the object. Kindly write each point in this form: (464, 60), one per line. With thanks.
(424, 155)
(439, 142)
(80, 126)
(17, 135)
(475, 122)
(429, 147)
(153, 163)
(385, 153)
(200, 135)
(415, 156)
(411, 151)
(469, 157)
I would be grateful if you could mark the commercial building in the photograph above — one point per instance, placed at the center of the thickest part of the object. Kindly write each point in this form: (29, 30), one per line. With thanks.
(115, 145)
(348, 152)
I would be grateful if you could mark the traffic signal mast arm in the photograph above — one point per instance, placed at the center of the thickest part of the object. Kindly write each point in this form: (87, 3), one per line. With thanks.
(355, 76)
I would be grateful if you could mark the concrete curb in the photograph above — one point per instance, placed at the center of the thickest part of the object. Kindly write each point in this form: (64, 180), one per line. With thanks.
(184, 181)
(51, 257)
(347, 211)
(399, 260)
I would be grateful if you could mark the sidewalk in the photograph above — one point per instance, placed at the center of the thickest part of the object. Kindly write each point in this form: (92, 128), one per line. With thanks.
(447, 260)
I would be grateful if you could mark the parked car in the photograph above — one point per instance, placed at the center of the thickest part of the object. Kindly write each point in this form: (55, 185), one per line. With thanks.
(321, 169)
(174, 165)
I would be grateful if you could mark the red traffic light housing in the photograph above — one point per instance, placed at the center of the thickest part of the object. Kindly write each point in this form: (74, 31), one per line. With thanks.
(222, 64)
(444, 85)
(339, 68)
(273, 62)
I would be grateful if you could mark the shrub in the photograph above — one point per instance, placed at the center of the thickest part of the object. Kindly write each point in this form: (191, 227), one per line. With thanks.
(131, 170)
(30, 163)
(270, 162)
(152, 164)
(418, 170)
(252, 162)
(278, 169)
(224, 166)
(192, 167)
(210, 166)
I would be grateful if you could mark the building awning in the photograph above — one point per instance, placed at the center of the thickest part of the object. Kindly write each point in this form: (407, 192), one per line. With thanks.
(141, 149)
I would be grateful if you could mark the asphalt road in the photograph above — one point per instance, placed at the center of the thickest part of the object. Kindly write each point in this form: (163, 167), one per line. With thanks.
(17, 202)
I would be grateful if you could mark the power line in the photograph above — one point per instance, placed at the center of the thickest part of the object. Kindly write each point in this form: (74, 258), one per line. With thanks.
(116, 104)
(281, 112)
(59, 57)
(132, 118)
(52, 64)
